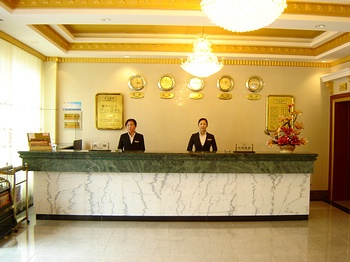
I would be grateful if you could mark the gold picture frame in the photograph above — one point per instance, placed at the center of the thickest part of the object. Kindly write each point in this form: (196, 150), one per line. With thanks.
(276, 106)
(109, 111)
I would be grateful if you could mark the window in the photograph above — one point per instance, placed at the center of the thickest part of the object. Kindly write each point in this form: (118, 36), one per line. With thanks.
(20, 101)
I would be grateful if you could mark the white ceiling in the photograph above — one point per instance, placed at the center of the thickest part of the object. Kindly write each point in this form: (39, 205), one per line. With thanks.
(15, 22)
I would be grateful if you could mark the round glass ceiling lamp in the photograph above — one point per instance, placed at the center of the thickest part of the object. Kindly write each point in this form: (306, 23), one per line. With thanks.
(243, 15)
(202, 62)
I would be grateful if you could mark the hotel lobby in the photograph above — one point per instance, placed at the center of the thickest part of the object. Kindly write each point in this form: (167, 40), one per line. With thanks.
(76, 71)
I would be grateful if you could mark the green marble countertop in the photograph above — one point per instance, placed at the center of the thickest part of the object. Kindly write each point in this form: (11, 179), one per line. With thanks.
(157, 162)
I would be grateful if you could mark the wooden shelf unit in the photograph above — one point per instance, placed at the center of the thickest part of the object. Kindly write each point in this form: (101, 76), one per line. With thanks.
(10, 174)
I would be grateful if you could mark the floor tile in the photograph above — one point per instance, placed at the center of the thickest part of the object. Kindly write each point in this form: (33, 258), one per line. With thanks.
(325, 237)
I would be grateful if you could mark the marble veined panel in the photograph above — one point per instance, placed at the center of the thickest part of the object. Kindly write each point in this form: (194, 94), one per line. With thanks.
(136, 162)
(171, 194)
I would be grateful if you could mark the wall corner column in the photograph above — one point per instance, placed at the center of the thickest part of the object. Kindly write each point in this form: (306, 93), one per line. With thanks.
(49, 99)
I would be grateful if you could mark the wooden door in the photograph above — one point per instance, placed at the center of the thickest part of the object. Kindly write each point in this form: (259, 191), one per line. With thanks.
(339, 180)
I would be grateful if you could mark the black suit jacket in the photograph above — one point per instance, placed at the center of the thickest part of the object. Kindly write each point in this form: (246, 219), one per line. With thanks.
(137, 144)
(196, 142)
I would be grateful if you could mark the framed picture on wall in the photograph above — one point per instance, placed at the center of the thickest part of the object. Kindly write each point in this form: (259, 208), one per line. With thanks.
(276, 106)
(109, 111)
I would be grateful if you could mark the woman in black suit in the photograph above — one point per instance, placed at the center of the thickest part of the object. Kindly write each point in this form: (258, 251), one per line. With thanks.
(202, 141)
(131, 140)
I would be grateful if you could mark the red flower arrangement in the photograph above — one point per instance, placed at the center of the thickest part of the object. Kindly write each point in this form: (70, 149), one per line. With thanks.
(288, 132)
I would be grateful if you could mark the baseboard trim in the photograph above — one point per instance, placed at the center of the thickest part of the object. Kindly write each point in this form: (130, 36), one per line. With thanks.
(319, 195)
(173, 218)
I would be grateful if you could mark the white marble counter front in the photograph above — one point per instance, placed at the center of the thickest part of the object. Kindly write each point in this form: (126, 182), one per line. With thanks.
(172, 194)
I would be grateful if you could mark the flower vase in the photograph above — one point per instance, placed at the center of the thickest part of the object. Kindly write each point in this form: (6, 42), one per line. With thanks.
(287, 149)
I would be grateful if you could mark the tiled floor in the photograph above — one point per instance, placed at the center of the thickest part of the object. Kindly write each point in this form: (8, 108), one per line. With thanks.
(324, 237)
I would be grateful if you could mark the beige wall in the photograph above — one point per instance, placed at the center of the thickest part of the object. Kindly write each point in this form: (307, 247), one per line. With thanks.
(167, 124)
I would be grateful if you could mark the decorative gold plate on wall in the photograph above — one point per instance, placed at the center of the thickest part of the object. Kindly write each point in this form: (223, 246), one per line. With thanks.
(109, 110)
(196, 96)
(166, 95)
(277, 105)
(137, 95)
(224, 96)
(253, 97)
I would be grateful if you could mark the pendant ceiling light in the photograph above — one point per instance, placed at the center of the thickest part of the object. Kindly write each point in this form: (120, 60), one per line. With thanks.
(243, 15)
(202, 62)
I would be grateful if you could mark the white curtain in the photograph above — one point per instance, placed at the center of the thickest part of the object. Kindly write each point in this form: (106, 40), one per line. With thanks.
(20, 101)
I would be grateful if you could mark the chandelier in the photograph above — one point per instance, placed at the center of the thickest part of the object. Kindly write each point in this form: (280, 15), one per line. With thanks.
(202, 62)
(243, 15)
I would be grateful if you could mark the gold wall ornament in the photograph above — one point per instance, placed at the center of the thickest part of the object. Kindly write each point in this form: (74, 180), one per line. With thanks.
(343, 86)
(254, 97)
(330, 86)
(225, 96)
(137, 95)
(109, 111)
(196, 96)
(166, 95)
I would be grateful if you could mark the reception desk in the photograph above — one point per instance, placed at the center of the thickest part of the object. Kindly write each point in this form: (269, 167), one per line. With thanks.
(170, 186)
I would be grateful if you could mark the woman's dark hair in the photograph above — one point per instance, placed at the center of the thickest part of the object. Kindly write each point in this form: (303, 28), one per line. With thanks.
(132, 120)
(203, 119)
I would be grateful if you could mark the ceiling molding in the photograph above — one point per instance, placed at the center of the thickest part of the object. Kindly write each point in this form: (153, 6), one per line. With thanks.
(125, 4)
(340, 61)
(51, 35)
(342, 39)
(336, 75)
(9, 4)
(55, 38)
(321, 9)
(178, 61)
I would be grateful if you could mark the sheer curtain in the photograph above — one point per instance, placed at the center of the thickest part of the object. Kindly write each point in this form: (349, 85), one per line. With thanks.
(20, 101)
